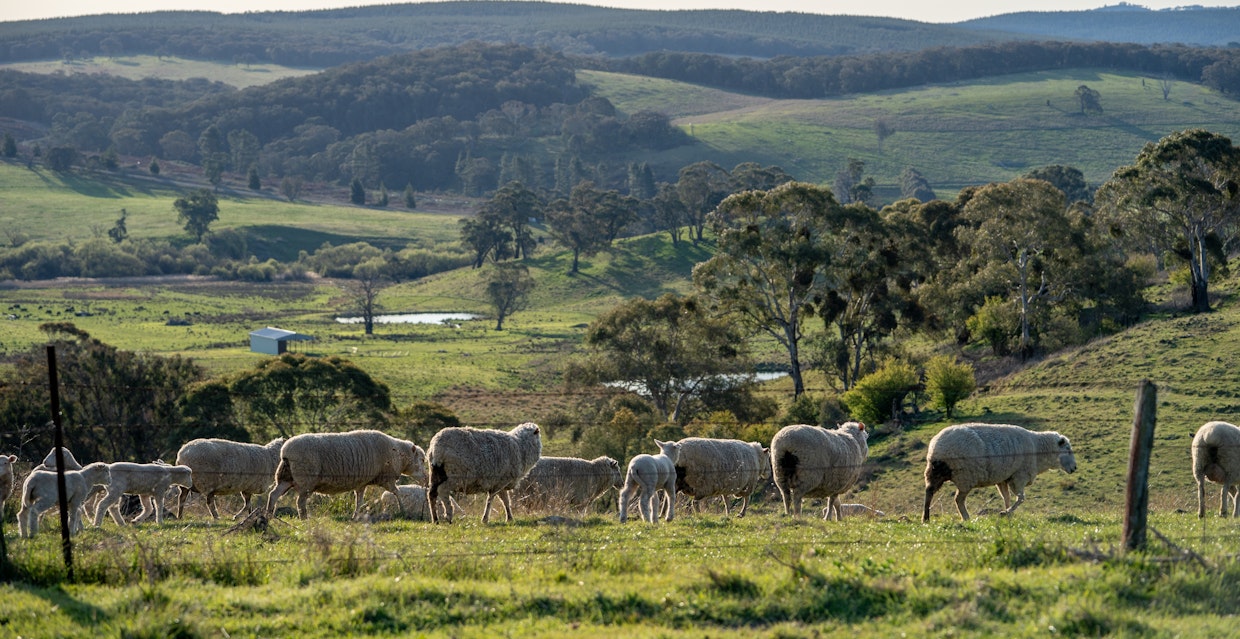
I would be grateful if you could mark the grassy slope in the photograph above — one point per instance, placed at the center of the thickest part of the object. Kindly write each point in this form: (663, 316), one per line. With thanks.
(956, 135)
(138, 67)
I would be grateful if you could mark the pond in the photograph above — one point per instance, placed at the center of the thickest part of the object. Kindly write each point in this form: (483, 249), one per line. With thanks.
(413, 318)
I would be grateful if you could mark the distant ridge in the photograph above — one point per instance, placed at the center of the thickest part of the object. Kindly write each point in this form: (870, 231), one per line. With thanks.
(1191, 25)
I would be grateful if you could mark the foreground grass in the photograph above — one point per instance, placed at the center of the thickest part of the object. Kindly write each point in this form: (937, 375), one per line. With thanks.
(765, 575)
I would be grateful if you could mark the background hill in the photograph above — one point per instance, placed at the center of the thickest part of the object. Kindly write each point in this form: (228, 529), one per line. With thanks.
(1195, 25)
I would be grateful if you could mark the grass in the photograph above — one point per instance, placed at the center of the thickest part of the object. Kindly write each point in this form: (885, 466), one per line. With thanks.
(137, 67)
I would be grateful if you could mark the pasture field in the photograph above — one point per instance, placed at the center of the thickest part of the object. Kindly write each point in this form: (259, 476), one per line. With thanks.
(137, 67)
(1034, 574)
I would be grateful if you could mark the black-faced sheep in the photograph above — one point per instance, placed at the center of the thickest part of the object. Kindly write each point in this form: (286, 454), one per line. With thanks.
(569, 481)
(150, 482)
(222, 467)
(647, 476)
(1216, 457)
(811, 461)
(331, 463)
(1009, 457)
(41, 493)
(467, 460)
(721, 468)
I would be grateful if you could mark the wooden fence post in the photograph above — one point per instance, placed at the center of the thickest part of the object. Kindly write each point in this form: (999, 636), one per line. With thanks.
(1136, 502)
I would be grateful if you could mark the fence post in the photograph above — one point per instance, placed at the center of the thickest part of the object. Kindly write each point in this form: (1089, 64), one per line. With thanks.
(1136, 502)
(66, 542)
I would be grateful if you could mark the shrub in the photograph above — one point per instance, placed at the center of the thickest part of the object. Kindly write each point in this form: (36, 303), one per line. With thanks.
(996, 323)
(876, 396)
(948, 382)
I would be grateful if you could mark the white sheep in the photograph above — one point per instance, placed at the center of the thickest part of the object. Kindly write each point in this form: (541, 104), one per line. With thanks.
(721, 468)
(150, 482)
(1002, 455)
(811, 461)
(49, 461)
(331, 463)
(1216, 457)
(647, 475)
(40, 493)
(224, 467)
(569, 481)
(408, 502)
(469, 460)
(6, 477)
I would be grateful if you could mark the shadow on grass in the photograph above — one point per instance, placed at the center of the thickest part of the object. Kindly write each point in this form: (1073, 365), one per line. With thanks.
(79, 611)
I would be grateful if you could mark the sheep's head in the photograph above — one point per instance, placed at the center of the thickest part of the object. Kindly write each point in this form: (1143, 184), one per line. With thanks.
(414, 459)
(671, 450)
(613, 467)
(1067, 460)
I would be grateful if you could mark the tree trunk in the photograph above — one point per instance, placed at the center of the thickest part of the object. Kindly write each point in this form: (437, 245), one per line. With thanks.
(1199, 280)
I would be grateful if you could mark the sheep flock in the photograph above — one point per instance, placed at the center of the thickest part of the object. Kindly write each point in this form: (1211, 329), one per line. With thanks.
(801, 461)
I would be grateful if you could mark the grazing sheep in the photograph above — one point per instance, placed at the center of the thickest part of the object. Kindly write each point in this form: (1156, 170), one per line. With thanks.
(408, 502)
(223, 467)
(469, 460)
(6, 476)
(150, 482)
(647, 475)
(721, 467)
(811, 461)
(1009, 457)
(40, 493)
(49, 461)
(1216, 457)
(569, 481)
(331, 463)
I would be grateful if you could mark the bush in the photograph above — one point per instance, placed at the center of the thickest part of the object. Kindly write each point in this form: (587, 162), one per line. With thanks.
(876, 396)
(996, 323)
(948, 382)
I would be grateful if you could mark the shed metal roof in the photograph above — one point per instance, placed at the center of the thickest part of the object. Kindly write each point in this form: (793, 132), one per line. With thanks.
(279, 334)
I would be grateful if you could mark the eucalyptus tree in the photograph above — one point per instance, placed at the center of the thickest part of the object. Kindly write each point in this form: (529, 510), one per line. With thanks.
(1181, 193)
(588, 220)
(508, 289)
(775, 250)
(512, 207)
(701, 186)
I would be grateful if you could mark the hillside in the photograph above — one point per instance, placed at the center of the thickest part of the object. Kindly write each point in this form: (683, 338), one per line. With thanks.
(1125, 22)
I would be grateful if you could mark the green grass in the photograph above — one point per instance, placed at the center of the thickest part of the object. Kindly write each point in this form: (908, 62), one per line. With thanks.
(989, 130)
(137, 67)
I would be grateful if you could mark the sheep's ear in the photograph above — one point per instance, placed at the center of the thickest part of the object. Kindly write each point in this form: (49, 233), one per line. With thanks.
(613, 463)
(1063, 441)
(658, 443)
(860, 426)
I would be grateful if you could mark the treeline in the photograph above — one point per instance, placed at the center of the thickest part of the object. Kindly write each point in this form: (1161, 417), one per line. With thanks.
(824, 76)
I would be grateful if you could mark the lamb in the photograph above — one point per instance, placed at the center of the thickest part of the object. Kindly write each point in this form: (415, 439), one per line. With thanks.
(408, 502)
(331, 463)
(40, 493)
(721, 467)
(149, 481)
(570, 481)
(1216, 457)
(469, 460)
(6, 476)
(49, 461)
(1002, 455)
(647, 475)
(811, 461)
(221, 466)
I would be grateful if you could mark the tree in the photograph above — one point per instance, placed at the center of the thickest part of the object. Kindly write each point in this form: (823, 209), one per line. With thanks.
(948, 382)
(576, 224)
(290, 187)
(1165, 83)
(487, 237)
(1068, 179)
(293, 393)
(254, 182)
(9, 147)
(1089, 99)
(357, 192)
(197, 211)
(61, 158)
(671, 348)
(702, 186)
(118, 233)
(243, 149)
(774, 250)
(154, 166)
(508, 289)
(512, 207)
(1182, 193)
(914, 185)
(877, 397)
(669, 212)
(852, 185)
(411, 201)
(883, 130)
(368, 279)
(383, 198)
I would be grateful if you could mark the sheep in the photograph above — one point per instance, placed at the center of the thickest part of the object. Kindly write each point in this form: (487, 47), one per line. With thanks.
(570, 481)
(221, 466)
(469, 460)
(811, 461)
(647, 475)
(408, 502)
(41, 493)
(150, 482)
(6, 476)
(1002, 455)
(49, 461)
(721, 467)
(331, 463)
(1216, 457)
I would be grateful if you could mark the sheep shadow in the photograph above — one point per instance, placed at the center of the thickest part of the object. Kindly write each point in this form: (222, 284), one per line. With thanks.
(82, 613)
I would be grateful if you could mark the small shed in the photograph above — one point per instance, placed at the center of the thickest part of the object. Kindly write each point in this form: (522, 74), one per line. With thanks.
(274, 341)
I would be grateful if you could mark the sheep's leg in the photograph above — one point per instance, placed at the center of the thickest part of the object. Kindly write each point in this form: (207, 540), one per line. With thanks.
(783, 494)
(671, 501)
(960, 495)
(1235, 505)
(358, 496)
(146, 511)
(645, 503)
(1222, 500)
(795, 497)
(505, 498)
(486, 508)
(1201, 498)
(744, 506)
(245, 506)
(1006, 492)
(449, 506)
(833, 508)
(276, 493)
(28, 520)
(302, 497)
(105, 505)
(181, 497)
(1020, 498)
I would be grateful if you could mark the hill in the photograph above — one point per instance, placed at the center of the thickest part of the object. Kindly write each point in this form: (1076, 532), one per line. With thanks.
(1194, 25)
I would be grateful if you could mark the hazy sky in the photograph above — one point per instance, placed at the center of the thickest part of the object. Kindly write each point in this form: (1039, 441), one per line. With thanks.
(951, 11)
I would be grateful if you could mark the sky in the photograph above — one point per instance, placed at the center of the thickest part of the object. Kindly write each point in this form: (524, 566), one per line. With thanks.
(922, 10)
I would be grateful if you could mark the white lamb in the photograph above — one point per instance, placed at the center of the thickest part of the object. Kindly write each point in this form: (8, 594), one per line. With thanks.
(569, 481)
(647, 475)
(1002, 455)
(408, 502)
(6, 477)
(49, 461)
(331, 463)
(150, 482)
(811, 461)
(1216, 457)
(224, 467)
(721, 468)
(470, 460)
(40, 493)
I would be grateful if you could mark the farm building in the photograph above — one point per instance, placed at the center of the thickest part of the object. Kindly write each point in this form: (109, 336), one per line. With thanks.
(274, 341)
